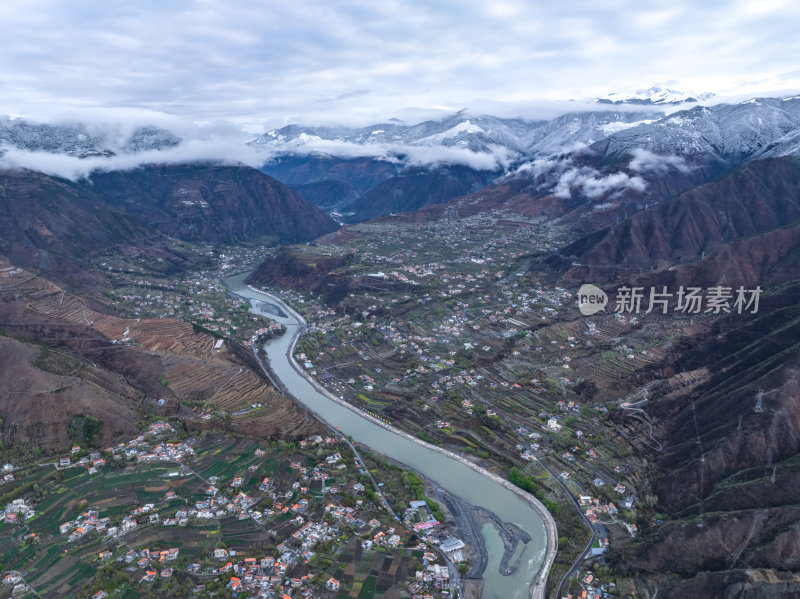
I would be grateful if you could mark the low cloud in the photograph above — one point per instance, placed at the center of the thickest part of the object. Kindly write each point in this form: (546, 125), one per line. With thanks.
(110, 130)
(645, 161)
(540, 166)
(71, 167)
(414, 155)
(497, 157)
(593, 184)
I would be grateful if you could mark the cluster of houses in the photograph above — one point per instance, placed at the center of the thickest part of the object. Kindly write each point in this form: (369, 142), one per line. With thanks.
(140, 449)
(258, 334)
(434, 576)
(186, 300)
(7, 474)
(593, 588)
(19, 586)
(594, 510)
(17, 511)
(85, 523)
(264, 577)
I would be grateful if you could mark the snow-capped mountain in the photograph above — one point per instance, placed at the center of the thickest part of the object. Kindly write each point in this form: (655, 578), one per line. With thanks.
(150, 138)
(516, 138)
(80, 140)
(576, 130)
(732, 133)
(653, 95)
(475, 133)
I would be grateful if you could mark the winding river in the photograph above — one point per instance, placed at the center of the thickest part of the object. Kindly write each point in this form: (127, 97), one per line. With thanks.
(448, 472)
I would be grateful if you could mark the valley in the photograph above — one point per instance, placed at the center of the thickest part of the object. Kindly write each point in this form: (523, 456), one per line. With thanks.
(633, 447)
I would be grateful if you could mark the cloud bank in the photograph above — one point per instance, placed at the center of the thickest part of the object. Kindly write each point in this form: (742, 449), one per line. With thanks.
(74, 168)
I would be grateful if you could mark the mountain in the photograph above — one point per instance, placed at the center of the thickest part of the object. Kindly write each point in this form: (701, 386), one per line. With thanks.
(65, 358)
(330, 182)
(724, 476)
(150, 138)
(575, 130)
(212, 203)
(638, 167)
(479, 133)
(729, 133)
(431, 162)
(653, 95)
(762, 196)
(55, 225)
(80, 140)
(331, 195)
(415, 188)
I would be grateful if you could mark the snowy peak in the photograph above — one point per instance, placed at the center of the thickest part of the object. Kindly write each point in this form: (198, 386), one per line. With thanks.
(732, 133)
(575, 130)
(148, 138)
(80, 140)
(474, 133)
(653, 95)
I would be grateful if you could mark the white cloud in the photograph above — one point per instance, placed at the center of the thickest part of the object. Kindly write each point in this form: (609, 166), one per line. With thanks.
(540, 166)
(645, 161)
(593, 184)
(414, 155)
(70, 167)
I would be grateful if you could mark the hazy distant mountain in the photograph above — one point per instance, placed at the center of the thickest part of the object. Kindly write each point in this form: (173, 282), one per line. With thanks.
(416, 188)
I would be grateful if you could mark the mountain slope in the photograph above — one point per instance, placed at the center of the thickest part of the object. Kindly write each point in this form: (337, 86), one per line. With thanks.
(55, 225)
(575, 130)
(415, 189)
(215, 203)
(762, 196)
(653, 95)
(478, 133)
(64, 357)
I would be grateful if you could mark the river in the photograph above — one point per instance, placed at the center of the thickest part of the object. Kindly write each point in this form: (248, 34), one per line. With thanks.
(452, 475)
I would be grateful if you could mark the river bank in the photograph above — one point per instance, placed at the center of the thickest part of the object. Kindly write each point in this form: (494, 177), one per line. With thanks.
(469, 520)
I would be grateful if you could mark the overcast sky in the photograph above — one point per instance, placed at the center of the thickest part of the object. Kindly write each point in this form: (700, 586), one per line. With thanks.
(357, 61)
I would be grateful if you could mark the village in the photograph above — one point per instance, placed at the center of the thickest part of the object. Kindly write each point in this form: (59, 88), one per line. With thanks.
(220, 517)
(144, 288)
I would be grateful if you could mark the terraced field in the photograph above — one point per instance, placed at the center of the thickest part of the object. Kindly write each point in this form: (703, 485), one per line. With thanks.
(132, 364)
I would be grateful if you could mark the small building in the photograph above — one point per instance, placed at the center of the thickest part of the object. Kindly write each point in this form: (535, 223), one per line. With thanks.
(451, 544)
